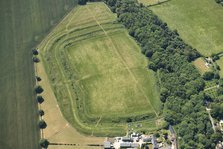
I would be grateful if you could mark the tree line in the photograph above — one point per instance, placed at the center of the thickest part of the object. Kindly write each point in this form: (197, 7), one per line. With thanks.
(38, 90)
(181, 84)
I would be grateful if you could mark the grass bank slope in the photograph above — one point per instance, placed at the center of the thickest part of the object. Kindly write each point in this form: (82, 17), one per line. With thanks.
(98, 74)
(199, 23)
(23, 24)
(58, 129)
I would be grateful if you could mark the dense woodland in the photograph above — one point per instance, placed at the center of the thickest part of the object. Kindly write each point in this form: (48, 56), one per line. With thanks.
(181, 84)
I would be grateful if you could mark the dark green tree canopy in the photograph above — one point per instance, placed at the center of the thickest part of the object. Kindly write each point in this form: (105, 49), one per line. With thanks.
(35, 52)
(217, 110)
(36, 59)
(41, 112)
(44, 143)
(42, 124)
(219, 2)
(38, 78)
(39, 99)
(82, 2)
(208, 75)
(38, 89)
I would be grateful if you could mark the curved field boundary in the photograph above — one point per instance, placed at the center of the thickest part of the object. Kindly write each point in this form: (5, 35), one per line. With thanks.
(67, 82)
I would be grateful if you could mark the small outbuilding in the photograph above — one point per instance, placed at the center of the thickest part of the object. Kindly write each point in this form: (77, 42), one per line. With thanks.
(148, 140)
(125, 145)
(127, 139)
(134, 145)
(107, 145)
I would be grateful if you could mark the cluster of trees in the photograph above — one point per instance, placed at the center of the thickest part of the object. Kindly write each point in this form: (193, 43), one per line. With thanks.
(181, 84)
(217, 103)
(210, 75)
(217, 111)
(42, 124)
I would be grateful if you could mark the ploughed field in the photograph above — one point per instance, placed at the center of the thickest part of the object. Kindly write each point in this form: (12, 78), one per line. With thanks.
(98, 74)
(199, 23)
(23, 24)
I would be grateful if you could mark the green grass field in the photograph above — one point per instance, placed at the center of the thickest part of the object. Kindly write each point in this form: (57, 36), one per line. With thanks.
(199, 23)
(23, 23)
(98, 74)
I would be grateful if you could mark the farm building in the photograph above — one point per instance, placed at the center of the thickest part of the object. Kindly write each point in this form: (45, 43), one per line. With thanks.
(127, 139)
(125, 145)
(107, 145)
(132, 141)
(128, 145)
